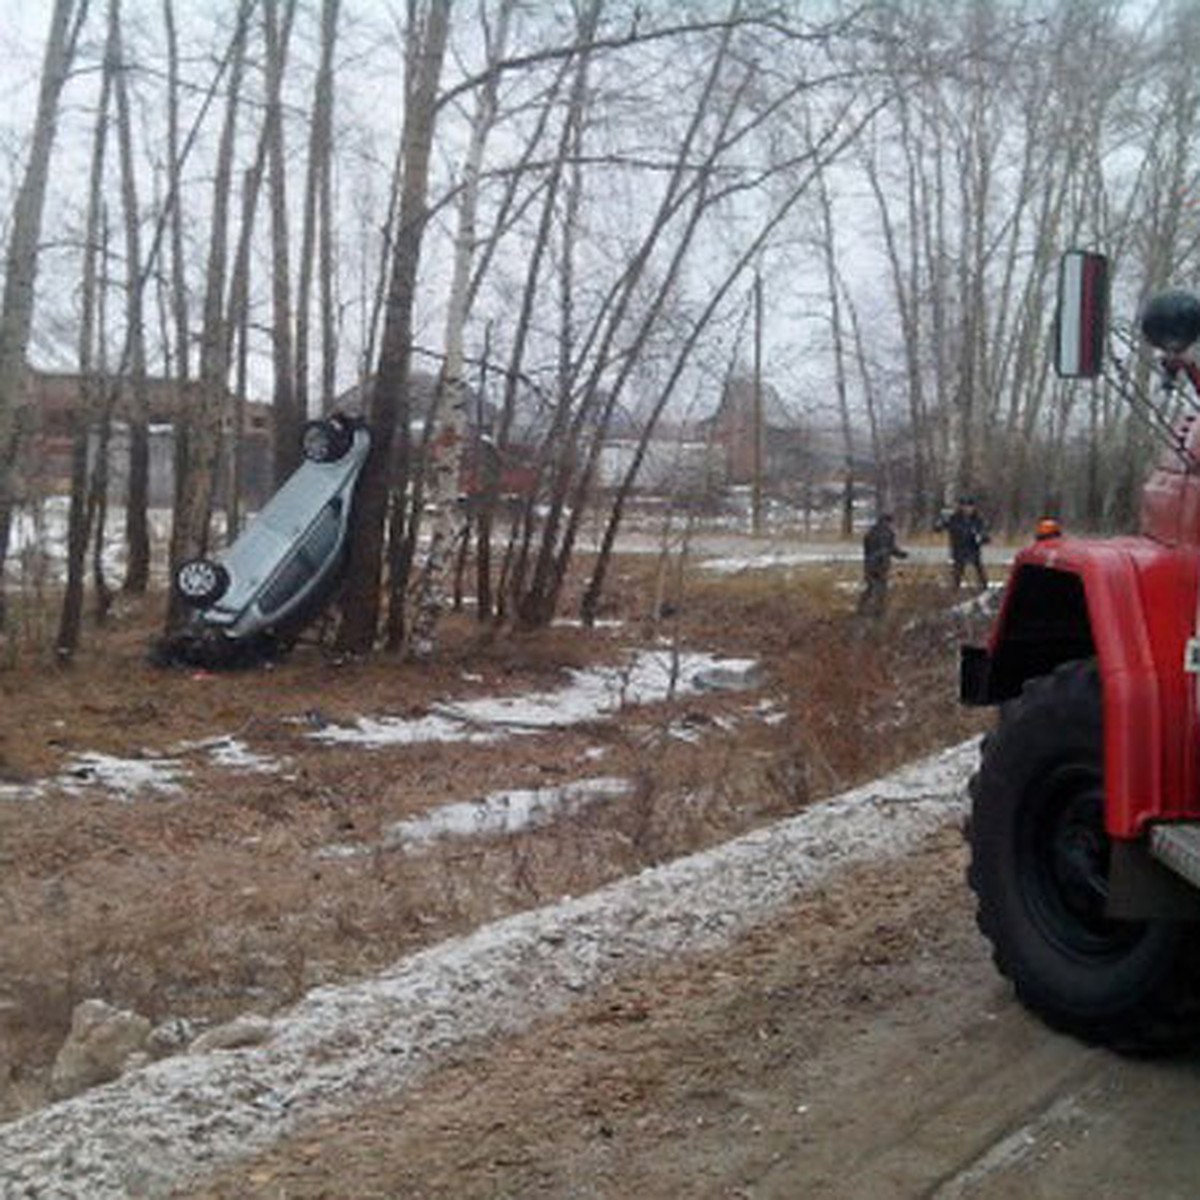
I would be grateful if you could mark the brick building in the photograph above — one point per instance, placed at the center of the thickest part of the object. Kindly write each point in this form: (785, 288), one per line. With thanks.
(48, 405)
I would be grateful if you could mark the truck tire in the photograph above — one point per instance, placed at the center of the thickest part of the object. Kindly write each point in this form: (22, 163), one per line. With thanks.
(1039, 870)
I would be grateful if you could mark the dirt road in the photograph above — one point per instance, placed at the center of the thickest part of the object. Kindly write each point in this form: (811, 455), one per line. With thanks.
(861, 1046)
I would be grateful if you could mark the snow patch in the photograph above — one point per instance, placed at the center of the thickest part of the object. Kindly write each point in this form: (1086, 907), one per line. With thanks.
(233, 754)
(650, 677)
(22, 791)
(126, 778)
(161, 776)
(504, 813)
(774, 559)
(499, 814)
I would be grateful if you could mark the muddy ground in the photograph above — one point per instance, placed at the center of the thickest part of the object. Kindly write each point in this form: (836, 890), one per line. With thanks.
(861, 1045)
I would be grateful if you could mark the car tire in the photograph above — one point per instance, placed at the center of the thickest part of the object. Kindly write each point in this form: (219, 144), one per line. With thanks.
(1039, 870)
(326, 441)
(201, 581)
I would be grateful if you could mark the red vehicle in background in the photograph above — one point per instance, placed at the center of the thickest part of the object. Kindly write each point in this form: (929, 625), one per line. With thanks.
(1084, 829)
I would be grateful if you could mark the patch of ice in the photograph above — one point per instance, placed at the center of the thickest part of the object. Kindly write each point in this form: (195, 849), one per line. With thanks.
(982, 604)
(499, 814)
(733, 676)
(339, 851)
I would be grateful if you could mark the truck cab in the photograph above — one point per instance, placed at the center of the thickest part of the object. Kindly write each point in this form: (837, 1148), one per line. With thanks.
(1085, 812)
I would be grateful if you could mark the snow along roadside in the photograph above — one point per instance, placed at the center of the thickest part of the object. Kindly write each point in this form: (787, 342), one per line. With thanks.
(179, 1119)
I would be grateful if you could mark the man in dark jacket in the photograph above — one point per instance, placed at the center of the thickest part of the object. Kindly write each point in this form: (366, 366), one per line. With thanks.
(968, 535)
(879, 548)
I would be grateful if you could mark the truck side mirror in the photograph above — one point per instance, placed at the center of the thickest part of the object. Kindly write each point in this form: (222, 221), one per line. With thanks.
(1081, 322)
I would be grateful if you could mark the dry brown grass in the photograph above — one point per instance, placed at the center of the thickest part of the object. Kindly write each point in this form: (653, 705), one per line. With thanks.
(217, 902)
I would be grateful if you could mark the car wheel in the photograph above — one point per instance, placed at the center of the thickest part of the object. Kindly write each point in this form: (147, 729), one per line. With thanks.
(326, 440)
(201, 581)
(1039, 869)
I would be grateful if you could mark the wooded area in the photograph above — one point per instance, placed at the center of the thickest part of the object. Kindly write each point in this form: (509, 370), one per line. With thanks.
(565, 211)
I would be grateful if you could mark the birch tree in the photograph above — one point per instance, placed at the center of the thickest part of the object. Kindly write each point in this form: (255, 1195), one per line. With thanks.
(449, 418)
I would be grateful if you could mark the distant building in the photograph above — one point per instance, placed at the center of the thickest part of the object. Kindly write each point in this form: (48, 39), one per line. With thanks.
(51, 399)
(513, 473)
(733, 427)
(422, 387)
(669, 465)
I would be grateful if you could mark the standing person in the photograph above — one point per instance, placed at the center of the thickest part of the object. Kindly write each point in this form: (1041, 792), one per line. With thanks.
(879, 548)
(968, 534)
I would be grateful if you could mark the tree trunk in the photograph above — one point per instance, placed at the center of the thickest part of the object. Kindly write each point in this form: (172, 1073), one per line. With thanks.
(285, 411)
(137, 528)
(239, 320)
(21, 261)
(179, 295)
(389, 404)
(316, 215)
(71, 616)
(449, 526)
(198, 451)
(828, 242)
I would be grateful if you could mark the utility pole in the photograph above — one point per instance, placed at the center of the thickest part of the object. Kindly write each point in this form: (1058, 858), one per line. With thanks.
(756, 485)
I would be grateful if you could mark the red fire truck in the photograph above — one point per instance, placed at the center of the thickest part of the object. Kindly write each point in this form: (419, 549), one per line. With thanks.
(1084, 828)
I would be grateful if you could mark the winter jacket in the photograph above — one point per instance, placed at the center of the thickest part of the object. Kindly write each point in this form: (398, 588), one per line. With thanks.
(967, 533)
(879, 548)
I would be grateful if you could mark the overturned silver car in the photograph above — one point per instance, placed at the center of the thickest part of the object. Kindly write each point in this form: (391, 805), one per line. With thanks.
(251, 601)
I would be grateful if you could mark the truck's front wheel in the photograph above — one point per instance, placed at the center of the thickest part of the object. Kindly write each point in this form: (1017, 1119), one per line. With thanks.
(1039, 869)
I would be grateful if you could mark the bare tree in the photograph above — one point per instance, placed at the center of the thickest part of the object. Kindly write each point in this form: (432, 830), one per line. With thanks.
(814, 159)
(837, 333)
(700, 181)
(137, 530)
(285, 412)
(198, 436)
(71, 615)
(428, 29)
(239, 333)
(449, 418)
(317, 219)
(176, 348)
(21, 260)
